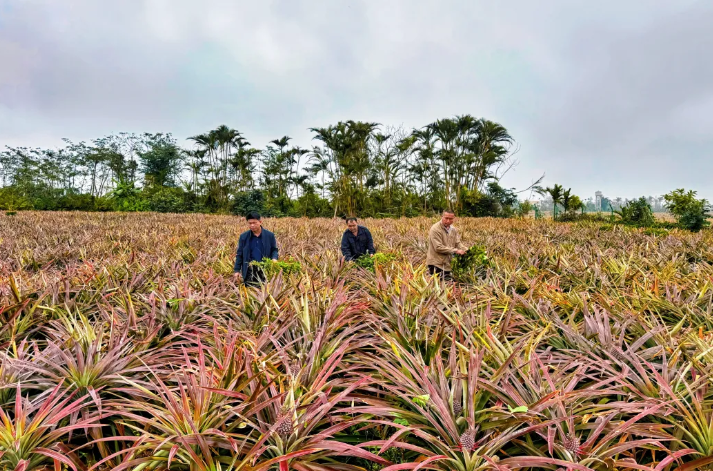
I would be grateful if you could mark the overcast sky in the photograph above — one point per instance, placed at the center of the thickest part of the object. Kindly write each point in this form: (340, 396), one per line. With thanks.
(611, 95)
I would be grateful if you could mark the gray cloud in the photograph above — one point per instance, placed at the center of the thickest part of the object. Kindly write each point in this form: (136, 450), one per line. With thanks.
(589, 89)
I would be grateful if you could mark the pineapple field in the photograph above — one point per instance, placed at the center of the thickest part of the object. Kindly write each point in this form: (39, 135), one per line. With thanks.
(127, 344)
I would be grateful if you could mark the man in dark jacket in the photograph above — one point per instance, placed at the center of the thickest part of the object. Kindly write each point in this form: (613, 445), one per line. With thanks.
(254, 245)
(356, 241)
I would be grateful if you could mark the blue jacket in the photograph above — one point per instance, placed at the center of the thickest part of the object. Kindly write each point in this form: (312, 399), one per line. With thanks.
(242, 258)
(354, 246)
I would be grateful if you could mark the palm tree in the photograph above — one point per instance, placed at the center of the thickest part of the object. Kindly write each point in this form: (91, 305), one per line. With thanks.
(218, 145)
(446, 132)
(227, 139)
(567, 199)
(283, 164)
(243, 164)
(320, 165)
(295, 160)
(493, 150)
(556, 193)
(425, 149)
(347, 146)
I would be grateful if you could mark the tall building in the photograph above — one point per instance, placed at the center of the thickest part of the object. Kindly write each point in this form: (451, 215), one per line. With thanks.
(598, 200)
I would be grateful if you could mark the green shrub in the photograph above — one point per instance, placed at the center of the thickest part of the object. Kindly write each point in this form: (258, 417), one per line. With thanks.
(247, 201)
(694, 220)
(126, 197)
(103, 204)
(637, 213)
(11, 200)
(496, 201)
(467, 267)
(312, 205)
(73, 201)
(167, 200)
(369, 262)
(524, 208)
(690, 213)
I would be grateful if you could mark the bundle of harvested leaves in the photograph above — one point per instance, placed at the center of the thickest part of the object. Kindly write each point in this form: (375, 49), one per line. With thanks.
(467, 267)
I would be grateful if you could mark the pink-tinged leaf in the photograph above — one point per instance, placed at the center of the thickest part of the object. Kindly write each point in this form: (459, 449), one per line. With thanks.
(429, 460)
(288, 456)
(111, 457)
(496, 465)
(227, 393)
(630, 464)
(284, 466)
(696, 464)
(405, 446)
(622, 429)
(626, 446)
(230, 440)
(345, 449)
(551, 431)
(538, 461)
(673, 457)
(18, 409)
(95, 397)
(56, 456)
(22, 465)
(393, 438)
(171, 455)
(414, 466)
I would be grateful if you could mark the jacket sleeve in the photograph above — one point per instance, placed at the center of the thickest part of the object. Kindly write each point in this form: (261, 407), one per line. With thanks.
(346, 250)
(436, 240)
(274, 252)
(369, 242)
(239, 256)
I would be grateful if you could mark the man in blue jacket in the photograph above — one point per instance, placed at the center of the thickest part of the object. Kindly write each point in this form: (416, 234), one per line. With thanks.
(254, 245)
(356, 241)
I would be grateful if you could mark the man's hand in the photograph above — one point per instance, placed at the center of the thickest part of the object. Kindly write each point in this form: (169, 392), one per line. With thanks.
(237, 277)
(460, 252)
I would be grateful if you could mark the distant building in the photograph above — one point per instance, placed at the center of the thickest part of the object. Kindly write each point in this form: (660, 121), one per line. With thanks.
(598, 196)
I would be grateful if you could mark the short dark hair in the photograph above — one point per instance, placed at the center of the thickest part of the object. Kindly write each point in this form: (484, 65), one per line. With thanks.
(449, 211)
(350, 219)
(252, 215)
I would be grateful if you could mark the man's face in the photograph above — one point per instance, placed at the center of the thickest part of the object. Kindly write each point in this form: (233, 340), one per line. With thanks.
(254, 225)
(448, 219)
(352, 226)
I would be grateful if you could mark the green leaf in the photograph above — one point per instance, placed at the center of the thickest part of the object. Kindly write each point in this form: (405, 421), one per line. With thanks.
(422, 400)
(518, 410)
(403, 422)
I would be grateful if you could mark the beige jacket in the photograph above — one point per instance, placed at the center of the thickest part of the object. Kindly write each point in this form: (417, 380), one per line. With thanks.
(442, 245)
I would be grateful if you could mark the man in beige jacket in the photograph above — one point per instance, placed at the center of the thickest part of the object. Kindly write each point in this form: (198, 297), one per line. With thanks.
(443, 242)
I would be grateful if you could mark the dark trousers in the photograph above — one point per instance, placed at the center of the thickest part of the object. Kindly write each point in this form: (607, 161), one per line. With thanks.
(255, 276)
(445, 275)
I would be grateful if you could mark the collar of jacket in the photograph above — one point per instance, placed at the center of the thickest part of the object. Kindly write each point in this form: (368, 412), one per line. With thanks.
(360, 230)
(265, 246)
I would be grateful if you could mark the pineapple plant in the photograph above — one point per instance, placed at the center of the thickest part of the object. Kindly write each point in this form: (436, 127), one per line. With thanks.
(571, 443)
(467, 440)
(285, 423)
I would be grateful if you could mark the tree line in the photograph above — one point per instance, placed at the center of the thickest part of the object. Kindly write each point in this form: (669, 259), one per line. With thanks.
(352, 168)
